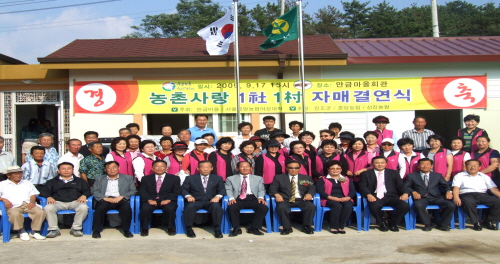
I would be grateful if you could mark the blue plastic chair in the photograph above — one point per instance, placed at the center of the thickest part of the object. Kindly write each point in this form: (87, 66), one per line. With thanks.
(6, 226)
(320, 214)
(413, 214)
(462, 215)
(276, 218)
(179, 220)
(227, 223)
(132, 205)
(178, 225)
(367, 216)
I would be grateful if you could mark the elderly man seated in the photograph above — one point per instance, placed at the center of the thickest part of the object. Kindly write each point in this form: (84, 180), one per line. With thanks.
(470, 189)
(19, 197)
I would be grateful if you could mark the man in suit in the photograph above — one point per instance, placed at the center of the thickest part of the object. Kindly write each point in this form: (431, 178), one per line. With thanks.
(294, 190)
(425, 187)
(159, 191)
(113, 191)
(203, 191)
(246, 191)
(384, 187)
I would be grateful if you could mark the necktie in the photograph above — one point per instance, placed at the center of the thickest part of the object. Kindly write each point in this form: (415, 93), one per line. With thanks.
(426, 180)
(294, 189)
(205, 180)
(158, 186)
(380, 185)
(243, 191)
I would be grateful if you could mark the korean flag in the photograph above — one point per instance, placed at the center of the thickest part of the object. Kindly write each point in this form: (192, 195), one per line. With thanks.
(219, 34)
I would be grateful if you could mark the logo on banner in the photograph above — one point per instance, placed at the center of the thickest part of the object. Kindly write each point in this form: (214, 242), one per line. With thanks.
(96, 97)
(168, 86)
(464, 92)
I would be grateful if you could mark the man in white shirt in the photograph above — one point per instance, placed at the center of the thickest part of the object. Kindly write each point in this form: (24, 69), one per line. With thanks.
(73, 155)
(470, 189)
(19, 197)
(6, 160)
(296, 127)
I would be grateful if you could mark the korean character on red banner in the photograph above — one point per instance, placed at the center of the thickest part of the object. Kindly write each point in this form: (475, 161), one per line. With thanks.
(362, 96)
(401, 95)
(342, 96)
(382, 95)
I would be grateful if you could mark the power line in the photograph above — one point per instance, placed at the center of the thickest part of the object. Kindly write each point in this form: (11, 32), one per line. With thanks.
(19, 3)
(55, 7)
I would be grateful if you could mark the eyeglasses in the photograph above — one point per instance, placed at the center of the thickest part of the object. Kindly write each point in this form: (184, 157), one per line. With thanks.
(293, 168)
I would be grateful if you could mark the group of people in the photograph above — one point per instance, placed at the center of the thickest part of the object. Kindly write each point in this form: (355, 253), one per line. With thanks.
(203, 168)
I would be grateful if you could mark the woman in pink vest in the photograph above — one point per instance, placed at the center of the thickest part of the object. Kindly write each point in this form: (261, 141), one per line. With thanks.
(407, 158)
(190, 163)
(460, 156)
(119, 154)
(221, 159)
(280, 137)
(372, 145)
(308, 137)
(487, 156)
(298, 153)
(358, 160)
(471, 132)
(174, 161)
(134, 141)
(143, 164)
(245, 151)
(337, 192)
(166, 147)
(381, 123)
(443, 159)
(329, 153)
(389, 153)
(270, 163)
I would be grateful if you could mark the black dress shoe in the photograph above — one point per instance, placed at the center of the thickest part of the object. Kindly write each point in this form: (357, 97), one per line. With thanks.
(254, 231)
(127, 234)
(478, 227)
(144, 232)
(442, 228)
(427, 228)
(307, 229)
(342, 232)
(394, 228)
(285, 231)
(96, 234)
(190, 233)
(335, 232)
(490, 225)
(383, 227)
(235, 232)
(218, 234)
(171, 232)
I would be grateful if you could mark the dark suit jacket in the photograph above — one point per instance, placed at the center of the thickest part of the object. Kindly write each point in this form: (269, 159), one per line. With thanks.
(393, 183)
(126, 186)
(414, 182)
(193, 186)
(281, 185)
(169, 190)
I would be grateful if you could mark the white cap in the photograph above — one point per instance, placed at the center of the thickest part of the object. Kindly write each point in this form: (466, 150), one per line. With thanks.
(389, 140)
(200, 141)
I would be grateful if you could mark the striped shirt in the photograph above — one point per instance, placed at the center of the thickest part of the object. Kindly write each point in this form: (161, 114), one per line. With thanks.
(419, 139)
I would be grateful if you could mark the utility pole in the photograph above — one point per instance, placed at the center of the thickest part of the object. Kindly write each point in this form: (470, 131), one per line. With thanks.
(435, 23)
(282, 7)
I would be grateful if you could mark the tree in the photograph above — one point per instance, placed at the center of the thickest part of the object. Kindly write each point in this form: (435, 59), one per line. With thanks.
(382, 21)
(488, 24)
(414, 22)
(328, 21)
(457, 19)
(356, 17)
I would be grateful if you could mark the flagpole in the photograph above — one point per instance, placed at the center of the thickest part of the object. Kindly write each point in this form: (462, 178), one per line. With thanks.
(237, 61)
(301, 55)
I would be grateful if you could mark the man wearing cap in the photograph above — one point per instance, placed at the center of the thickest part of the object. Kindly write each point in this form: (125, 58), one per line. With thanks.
(269, 122)
(419, 134)
(191, 160)
(19, 197)
(6, 160)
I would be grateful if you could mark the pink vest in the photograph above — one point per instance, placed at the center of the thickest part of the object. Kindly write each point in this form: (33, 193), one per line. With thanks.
(384, 134)
(473, 143)
(362, 162)
(283, 152)
(302, 169)
(221, 166)
(319, 164)
(440, 164)
(124, 162)
(484, 159)
(328, 189)
(412, 166)
(148, 165)
(392, 160)
(458, 161)
(193, 162)
(270, 167)
(175, 165)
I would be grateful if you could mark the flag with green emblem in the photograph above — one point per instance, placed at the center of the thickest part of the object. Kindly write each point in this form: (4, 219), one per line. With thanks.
(281, 30)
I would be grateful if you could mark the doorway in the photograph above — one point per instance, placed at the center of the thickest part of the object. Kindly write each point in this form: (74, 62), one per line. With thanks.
(176, 121)
(443, 122)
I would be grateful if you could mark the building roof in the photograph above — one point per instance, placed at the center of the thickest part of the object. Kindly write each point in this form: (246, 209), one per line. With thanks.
(421, 50)
(185, 49)
(10, 60)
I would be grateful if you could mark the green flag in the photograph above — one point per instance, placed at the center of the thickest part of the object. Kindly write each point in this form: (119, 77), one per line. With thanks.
(281, 30)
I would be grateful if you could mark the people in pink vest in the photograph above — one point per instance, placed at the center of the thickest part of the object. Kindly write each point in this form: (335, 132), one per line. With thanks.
(190, 163)
(328, 153)
(389, 153)
(471, 132)
(221, 159)
(165, 147)
(270, 164)
(119, 154)
(298, 153)
(336, 192)
(246, 153)
(487, 156)
(372, 145)
(358, 160)
(460, 156)
(134, 141)
(280, 136)
(443, 159)
(408, 159)
(174, 161)
(381, 123)
(143, 164)
(308, 137)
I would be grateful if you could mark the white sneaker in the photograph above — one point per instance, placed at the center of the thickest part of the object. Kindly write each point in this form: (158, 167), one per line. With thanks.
(24, 236)
(37, 236)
